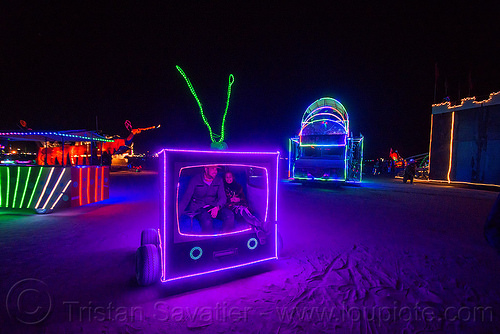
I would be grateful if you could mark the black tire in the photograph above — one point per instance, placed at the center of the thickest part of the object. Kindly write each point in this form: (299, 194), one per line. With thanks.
(150, 237)
(147, 265)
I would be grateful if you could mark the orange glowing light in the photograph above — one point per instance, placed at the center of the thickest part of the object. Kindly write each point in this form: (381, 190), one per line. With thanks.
(88, 185)
(451, 144)
(430, 144)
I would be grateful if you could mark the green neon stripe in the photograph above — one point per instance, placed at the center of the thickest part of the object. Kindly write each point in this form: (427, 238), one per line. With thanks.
(34, 188)
(191, 88)
(231, 81)
(1, 186)
(17, 186)
(8, 187)
(25, 186)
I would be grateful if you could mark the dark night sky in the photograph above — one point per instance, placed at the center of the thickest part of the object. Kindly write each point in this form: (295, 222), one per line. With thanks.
(64, 63)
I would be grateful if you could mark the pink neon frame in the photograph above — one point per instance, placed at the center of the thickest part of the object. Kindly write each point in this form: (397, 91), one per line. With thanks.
(222, 234)
(164, 237)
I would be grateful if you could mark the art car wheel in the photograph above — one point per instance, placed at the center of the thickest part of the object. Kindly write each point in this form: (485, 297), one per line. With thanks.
(150, 237)
(147, 265)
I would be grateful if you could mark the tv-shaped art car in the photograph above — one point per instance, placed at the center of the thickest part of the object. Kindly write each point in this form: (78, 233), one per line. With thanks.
(183, 246)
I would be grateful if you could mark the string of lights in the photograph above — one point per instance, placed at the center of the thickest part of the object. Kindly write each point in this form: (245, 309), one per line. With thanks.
(215, 138)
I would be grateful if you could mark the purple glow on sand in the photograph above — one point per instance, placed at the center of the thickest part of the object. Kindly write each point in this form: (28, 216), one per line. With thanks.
(219, 269)
(219, 234)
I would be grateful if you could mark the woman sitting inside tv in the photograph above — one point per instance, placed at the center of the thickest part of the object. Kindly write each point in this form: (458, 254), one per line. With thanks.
(237, 202)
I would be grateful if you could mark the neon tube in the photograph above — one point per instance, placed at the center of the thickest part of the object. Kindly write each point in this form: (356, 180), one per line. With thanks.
(102, 183)
(44, 188)
(227, 233)
(164, 200)
(289, 156)
(88, 185)
(54, 188)
(220, 269)
(451, 144)
(34, 187)
(17, 186)
(362, 150)
(276, 240)
(191, 88)
(8, 186)
(95, 184)
(430, 143)
(276, 190)
(167, 232)
(60, 195)
(80, 187)
(25, 187)
(0, 186)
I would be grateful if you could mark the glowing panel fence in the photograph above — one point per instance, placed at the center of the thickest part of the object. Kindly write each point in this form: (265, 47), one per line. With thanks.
(41, 187)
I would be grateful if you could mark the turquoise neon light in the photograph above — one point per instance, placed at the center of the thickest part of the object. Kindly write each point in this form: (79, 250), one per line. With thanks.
(252, 243)
(25, 187)
(213, 136)
(195, 257)
(34, 187)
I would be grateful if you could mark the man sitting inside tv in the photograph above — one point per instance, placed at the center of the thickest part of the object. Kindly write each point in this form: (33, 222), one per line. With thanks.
(205, 200)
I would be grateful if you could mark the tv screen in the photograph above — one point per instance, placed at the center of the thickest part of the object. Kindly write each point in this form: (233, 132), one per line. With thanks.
(218, 210)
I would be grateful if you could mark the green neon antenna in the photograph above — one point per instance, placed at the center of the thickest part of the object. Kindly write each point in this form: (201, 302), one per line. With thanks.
(217, 140)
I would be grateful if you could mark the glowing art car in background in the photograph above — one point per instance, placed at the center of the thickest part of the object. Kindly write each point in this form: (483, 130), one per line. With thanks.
(323, 149)
(60, 176)
(179, 248)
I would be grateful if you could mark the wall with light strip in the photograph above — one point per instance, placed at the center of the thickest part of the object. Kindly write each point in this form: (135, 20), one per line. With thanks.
(465, 141)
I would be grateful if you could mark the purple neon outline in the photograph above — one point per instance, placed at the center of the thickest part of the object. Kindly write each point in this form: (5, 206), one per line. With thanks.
(276, 241)
(163, 280)
(219, 269)
(276, 189)
(221, 234)
(161, 251)
(164, 274)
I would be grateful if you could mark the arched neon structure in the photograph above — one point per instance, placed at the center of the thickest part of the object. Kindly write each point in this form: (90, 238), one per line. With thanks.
(324, 123)
(324, 149)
